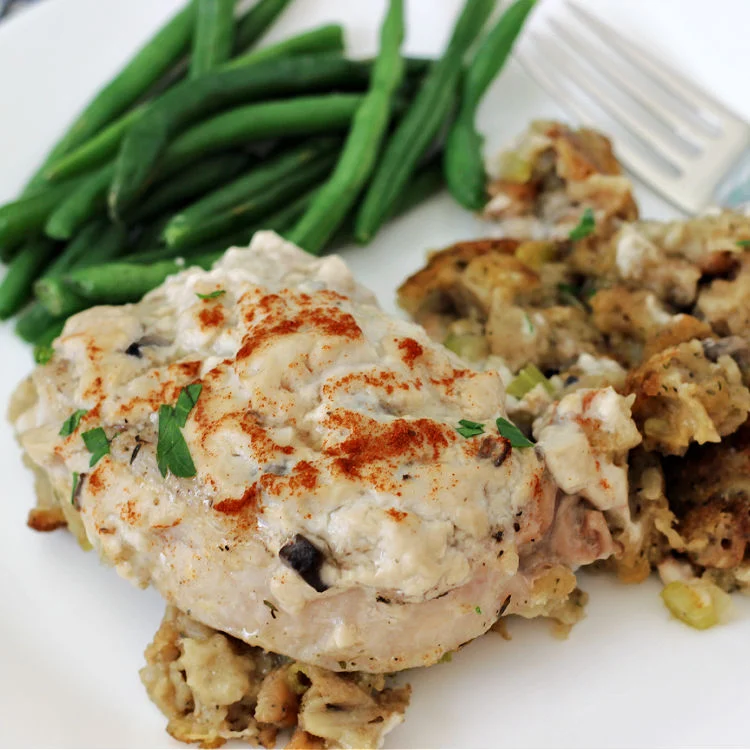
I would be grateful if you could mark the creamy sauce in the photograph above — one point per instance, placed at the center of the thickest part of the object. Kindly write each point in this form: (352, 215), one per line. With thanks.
(321, 419)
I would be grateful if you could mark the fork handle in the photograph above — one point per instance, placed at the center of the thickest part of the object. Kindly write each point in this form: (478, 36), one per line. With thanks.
(734, 190)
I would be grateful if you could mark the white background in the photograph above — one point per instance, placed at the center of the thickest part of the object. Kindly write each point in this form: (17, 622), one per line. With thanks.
(72, 633)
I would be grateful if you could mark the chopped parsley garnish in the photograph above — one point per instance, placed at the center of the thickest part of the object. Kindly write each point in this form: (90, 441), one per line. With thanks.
(509, 431)
(43, 354)
(478, 609)
(97, 444)
(743, 243)
(187, 399)
(529, 323)
(172, 452)
(76, 480)
(588, 292)
(585, 226)
(469, 429)
(570, 295)
(70, 425)
(212, 295)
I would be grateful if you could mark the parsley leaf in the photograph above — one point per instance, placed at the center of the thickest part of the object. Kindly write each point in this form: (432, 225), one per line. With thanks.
(97, 444)
(743, 243)
(212, 295)
(172, 452)
(70, 425)
(469, 429)
(478, 609)
(187, 399)
(585, 226)
(569, 295)
(509, 431)
(76, 479)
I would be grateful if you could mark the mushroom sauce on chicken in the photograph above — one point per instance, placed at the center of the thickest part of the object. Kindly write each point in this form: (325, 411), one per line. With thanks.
(336, 515)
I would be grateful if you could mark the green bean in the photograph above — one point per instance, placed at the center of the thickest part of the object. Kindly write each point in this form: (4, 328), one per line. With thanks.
(421, 123)
(59, 300)
(360, 153)
(251, 196)
(43, 350)
(285, 217)
(279, 221)
(464, 166)
(198, 180)
(16, 287)
(84, 249)
(427, 181)
(33, 322)
(127, 282)
(104, 145)
(416, 67)
(164, 252)
(213, 37)
(256, 22)
(97, 243)
(77, 250)
(119, 283)
(26, 216)
(81, 205)
(8, 252)
(96, 151)
(323, 39)
(305, 115)
(56, 297)
(146, 140)
(144, 69)
(46, 337)
(149, 235)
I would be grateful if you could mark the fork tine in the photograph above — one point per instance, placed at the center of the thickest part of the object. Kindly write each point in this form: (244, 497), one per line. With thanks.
(685, 128)
(669, 78)
(554, 84)
(573, 69)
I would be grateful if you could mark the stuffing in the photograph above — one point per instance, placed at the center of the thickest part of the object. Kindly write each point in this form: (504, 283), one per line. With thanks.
(628, 319)
(725, 303)
(642, 264)
(710, 242)
(647, 542)
(671, 258)
(491, 289)
(682, 397)
(657, 310)
(680, 329)
(543, 185)
(710, 492)
(552, 338)
(213, 688)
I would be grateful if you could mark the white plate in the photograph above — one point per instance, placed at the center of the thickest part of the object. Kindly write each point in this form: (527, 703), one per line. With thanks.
(72, 633)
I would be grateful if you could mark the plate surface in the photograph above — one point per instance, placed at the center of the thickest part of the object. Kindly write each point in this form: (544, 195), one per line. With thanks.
(72, 633)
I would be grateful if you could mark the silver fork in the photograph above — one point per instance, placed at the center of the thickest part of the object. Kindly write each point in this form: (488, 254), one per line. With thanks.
(676, 137)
